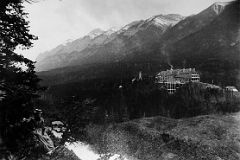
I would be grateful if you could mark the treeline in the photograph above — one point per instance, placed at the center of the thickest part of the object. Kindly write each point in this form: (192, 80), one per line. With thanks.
(112, 101)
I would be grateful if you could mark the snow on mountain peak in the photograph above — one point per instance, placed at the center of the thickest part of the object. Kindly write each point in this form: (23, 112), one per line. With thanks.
(111, 30)
(126, 27)
(165, 20)
(221, 3)
(94, 33)
(218, 7)
(67, 42)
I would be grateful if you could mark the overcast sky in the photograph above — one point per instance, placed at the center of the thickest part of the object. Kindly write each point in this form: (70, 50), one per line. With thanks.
(56, 21)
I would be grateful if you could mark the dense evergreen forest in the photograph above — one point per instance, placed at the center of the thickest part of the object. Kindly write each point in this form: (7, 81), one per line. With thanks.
(102, 101)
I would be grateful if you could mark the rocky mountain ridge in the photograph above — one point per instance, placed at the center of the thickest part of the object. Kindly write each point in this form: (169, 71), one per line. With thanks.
(114, 37)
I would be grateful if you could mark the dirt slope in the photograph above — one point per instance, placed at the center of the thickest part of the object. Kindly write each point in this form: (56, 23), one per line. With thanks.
(210, 137)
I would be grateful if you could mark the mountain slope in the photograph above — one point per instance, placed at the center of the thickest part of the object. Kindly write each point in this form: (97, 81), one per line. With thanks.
(107, 46)
(117, 43)
(52, 59)
(214, 49)
(193, 23)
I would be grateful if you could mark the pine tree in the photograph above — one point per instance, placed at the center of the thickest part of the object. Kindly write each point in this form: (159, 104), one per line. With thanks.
(18, 81)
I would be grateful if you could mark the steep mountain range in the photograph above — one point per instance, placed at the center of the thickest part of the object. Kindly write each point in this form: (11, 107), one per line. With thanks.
(208, 41)
(106, 46)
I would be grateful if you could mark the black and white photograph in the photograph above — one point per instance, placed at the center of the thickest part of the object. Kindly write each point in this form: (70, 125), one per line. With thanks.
(119, 79)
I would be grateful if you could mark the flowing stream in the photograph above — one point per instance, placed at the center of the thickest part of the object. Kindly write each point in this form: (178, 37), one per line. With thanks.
(85, 152)
(82, 150)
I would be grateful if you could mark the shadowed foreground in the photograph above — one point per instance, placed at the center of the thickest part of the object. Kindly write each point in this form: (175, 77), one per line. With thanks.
(61, 153)
(210, 137)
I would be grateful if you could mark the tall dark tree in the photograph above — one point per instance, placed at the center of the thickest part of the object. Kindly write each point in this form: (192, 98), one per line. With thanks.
(18, 81)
